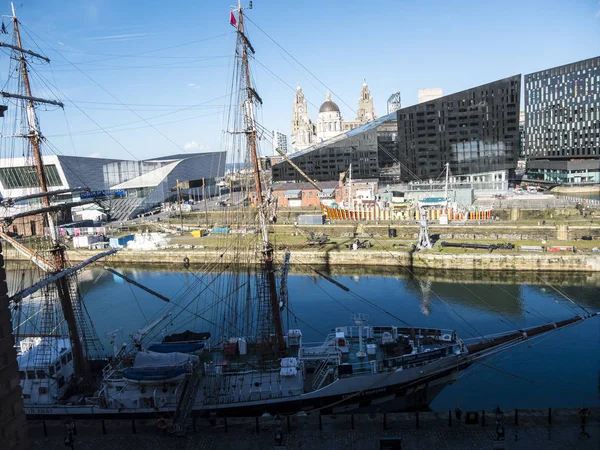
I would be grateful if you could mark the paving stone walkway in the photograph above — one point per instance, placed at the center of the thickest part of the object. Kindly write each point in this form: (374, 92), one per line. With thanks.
(532, 432)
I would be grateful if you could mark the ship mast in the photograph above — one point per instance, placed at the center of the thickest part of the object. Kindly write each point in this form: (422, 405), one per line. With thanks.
(35, 138)
(267, 248)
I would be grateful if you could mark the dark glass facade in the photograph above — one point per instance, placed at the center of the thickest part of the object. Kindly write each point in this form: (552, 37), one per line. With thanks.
(562, 123)
(27, 177)
(475, 131)
(326, 161)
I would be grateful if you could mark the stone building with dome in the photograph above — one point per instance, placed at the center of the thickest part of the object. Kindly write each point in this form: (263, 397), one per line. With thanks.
(329, 122)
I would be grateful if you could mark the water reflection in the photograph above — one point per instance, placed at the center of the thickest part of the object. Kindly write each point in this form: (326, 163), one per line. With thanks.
(473, 303)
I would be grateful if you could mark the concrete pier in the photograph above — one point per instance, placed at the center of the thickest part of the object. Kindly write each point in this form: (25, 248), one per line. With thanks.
(566, 262)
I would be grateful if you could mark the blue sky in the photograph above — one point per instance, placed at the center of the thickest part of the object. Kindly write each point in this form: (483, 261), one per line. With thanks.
(183, 55)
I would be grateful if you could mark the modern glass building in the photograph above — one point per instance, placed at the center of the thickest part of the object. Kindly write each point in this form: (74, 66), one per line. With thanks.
(476, 131)
(562, 123)
(141, 185)
(327, 160)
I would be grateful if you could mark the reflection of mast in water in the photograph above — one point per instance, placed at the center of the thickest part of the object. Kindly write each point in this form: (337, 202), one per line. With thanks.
(425, 286)
(356, 278)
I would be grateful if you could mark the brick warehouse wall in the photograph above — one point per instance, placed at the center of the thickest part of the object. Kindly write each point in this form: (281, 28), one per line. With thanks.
(12, 415)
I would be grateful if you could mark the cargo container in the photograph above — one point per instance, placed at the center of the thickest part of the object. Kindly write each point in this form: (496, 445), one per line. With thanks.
(311, 219)
(86, 241)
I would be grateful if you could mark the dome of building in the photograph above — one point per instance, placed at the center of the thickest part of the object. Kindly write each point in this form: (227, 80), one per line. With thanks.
(329, 106)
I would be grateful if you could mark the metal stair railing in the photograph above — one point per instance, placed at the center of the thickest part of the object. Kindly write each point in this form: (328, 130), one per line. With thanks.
(186, 402)
(323, 370)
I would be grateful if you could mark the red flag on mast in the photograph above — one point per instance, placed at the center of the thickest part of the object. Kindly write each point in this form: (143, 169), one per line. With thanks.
(232, 20)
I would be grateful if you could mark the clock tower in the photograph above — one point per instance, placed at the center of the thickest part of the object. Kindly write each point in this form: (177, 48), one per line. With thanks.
(366, 112)
(302, 128)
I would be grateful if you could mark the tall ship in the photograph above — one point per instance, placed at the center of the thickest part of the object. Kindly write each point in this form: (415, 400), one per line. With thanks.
(240, 356)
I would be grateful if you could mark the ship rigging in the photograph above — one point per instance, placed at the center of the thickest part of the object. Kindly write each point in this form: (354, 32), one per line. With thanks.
(247, 364)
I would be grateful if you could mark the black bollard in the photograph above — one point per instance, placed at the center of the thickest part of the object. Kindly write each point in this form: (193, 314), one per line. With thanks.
(417, 419)
(133, 430)
(352, 420)
(320, 422)
(194, 423)
(385, 421)
(516, 417)
(483, 417)
(225, 422)
(74, 427)
(458, 414)
(257, 428)
(103, 427)
(288, 424)
(45, 429)
(549, 416)
(449, 418)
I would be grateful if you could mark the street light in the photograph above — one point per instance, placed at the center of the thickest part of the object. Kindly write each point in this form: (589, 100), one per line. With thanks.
(499, 424)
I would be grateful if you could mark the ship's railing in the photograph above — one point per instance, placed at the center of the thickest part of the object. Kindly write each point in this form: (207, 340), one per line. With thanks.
(403, 362)
(210, 368)
(421, 358)
(110, 373)
(320, 351)
(351, 332)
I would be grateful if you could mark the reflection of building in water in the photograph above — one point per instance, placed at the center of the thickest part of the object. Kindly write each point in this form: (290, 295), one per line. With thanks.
(425, 286)
(586, 295)
(504, 299)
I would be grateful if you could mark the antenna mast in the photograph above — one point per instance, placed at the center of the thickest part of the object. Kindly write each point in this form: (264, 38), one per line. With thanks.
(446, 185)
(267, 248)
(35, 138)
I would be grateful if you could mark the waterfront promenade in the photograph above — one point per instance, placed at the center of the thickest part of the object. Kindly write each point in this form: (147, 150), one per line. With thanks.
(531, 429)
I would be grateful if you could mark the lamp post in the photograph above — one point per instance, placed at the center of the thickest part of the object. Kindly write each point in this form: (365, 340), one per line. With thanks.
(278, 432)
(499, 427)
(70, 439)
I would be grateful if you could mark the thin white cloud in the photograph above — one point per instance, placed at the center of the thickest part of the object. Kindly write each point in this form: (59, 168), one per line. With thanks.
(193, 145)
(94, 155)
(120, 36)
(193, 85)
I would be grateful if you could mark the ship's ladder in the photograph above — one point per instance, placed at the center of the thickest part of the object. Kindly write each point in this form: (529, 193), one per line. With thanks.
(324, 369)
(181, 419)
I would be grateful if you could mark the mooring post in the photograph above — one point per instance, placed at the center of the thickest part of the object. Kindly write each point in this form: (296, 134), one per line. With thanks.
(449, 418)
(257, 429)
(385, 421)
(194, 423)
(352, 420)
(417, 419)
(133, 430)
(103, 427)
(289, 424)
(483, 417)
(549, 416)
(516, 417)
(225, 421)
(320, 422)
(45, 429)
